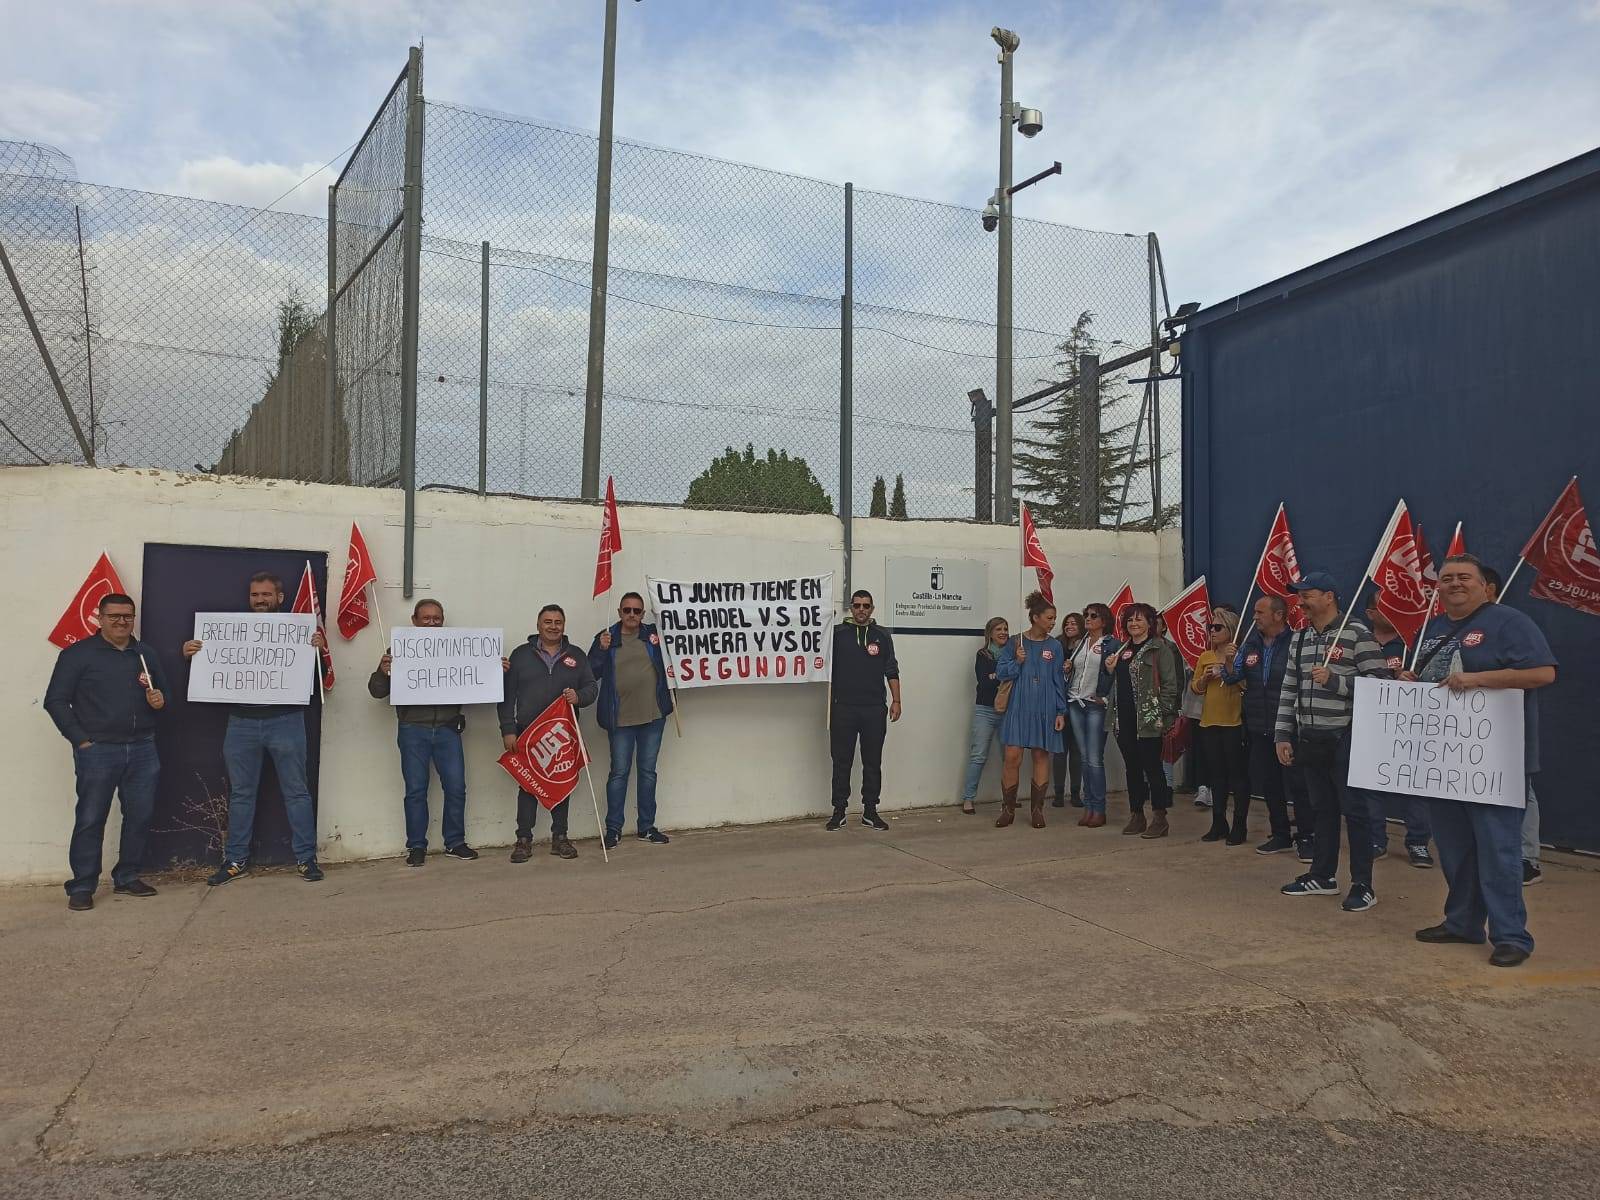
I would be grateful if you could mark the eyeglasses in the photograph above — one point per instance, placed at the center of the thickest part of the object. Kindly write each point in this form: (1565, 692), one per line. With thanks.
(1216, 628)
(116, 617)
(631, 611)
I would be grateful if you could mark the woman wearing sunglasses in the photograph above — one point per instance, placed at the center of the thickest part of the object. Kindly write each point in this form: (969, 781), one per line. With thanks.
(1220, 743)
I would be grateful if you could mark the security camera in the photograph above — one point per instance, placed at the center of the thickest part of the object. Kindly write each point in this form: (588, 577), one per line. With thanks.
(991, 217)
(1030, 122)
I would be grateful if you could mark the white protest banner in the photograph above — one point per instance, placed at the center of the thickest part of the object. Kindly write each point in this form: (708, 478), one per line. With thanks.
(253, 658)
(441, 665)
(1422, 739)
(746, 630)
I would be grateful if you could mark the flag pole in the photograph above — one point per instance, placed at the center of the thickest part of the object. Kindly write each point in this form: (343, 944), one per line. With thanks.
(316, 613)
(589, 775)
(1433, 596)
(149, 683)
(1372, 566)
(672, 679)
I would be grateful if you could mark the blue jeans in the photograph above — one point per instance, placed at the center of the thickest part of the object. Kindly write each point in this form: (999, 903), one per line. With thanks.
(1089, 730)
(985, 727)
(439, 745)
(103, 769)
(1419, 827)
(628, 741)
(1480, 854)
(249, 739)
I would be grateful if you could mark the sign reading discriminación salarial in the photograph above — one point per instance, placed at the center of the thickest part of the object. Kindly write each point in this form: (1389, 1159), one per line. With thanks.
(935, 593)
(745, 630)
(253, 658)
(1422, 739)
(441, 665)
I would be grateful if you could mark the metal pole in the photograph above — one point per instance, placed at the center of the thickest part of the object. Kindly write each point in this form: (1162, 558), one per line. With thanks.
(1155, 386)
(330, 399)
(88, 334)
(1002, 353)
(594, 387)
(483, 379)
(983, 456)
(847, 384)
(410, 304)
(1088, 441)
(1133, 457)
(44, 354)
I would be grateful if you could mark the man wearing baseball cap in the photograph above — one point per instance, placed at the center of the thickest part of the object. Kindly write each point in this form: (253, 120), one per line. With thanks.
(1313, 732)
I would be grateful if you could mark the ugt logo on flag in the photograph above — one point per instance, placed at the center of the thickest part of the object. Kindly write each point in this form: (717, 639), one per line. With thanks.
(548, 755)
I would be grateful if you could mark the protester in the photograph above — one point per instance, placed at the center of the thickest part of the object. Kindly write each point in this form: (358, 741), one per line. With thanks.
(1258, 665)
(1069, 763)
(1418, 827)
(1033, 663)
(257, 731)
(544, 668)
(863, 662)
(1475, 643)
(1219, 741)
(1313, 732)
(1146, 682)
(103, 696)
(429, 734)
(1531, 873)
(985, 716)
(635, 700)
(1087, 688)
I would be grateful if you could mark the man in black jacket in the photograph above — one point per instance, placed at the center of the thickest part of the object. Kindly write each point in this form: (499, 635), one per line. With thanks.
(1259, 665)
(863, 661)
(103, 696)
(544, 667)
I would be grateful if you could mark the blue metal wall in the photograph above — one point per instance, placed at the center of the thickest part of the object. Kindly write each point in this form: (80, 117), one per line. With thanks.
(1455, 363)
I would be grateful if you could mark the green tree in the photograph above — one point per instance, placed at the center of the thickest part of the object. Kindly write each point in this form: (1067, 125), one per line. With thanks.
(776, 483)
(897, 506)
(880, 498)
(1047, 460)
(296, 319)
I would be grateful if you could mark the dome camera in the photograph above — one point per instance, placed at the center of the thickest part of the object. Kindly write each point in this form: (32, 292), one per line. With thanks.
(1030, 122)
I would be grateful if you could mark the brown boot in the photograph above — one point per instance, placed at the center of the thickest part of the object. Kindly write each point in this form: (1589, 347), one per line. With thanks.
(1084, 819)
(1094, 820)
(1135, 822)
(1036, 805)
(1158, 825)
(562, 848)
(523, 850)
(1008, 807)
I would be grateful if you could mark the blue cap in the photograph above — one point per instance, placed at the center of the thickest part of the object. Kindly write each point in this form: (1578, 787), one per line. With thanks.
(1315, 580)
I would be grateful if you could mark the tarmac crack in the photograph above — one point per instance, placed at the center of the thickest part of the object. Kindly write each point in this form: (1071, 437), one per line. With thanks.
(602, 987)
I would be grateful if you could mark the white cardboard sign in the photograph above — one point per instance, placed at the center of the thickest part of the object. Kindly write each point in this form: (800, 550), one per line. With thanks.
(444, 665)
(745, 630)
(1422, 739)
(253, 658)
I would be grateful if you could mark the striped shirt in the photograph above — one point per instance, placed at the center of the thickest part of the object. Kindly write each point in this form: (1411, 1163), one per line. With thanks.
(1303, 704)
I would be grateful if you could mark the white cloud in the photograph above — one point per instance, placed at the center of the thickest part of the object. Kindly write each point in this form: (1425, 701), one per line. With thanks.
(32, 112)
(254, 185)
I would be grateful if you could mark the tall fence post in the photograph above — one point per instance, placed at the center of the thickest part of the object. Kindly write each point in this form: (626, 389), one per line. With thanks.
(1088, 441)
(410, 310)
(982, 456)
(88, 334)
(1155, 386)
(599, 279)
(44, 354)
(330, 340)
(483, 379)
(847, 385)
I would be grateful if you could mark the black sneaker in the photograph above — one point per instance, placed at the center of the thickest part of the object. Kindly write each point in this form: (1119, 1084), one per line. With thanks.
(1379, 851)
(80, 901)
(654, 836)
(137, 887)
(463, 852)
(416, 856)
(836, 821)
(1418, 856)
(1275, 845)
(1310, 885)
(1360, 899)
(309, 871)
(1303, 850)
(1508, 956)
(872, 820)
(1442, 934)
(1530, 876)
(227, 873)
(612, 839)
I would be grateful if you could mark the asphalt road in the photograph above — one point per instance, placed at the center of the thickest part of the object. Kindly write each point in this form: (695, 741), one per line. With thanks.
(1305, 1160)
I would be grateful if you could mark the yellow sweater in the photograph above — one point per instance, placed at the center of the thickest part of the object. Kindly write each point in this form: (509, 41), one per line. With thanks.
(1222, 700)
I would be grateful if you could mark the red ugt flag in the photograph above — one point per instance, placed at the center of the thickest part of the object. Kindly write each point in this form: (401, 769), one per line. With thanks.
(305, 601)
(82, 618)
(1280, 567)
(1120, 601)
(1401, 594)
(358, 573)
(610, 541)
(1188, 621)
(1033, 555)
(1562, 550)
(548, 756)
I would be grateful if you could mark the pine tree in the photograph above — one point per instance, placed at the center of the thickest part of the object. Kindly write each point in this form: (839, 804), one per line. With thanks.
(1047, 463)
(776, 483)
(880, 498)
(897, 506)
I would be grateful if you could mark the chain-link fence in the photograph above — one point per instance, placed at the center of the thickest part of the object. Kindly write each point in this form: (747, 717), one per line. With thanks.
(207, 335)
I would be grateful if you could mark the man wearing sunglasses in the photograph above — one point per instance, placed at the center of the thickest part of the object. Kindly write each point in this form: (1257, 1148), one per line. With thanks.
(103, 696)
(863, 661)
(634, 702)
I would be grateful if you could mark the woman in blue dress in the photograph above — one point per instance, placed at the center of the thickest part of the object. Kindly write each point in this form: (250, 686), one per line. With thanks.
(1034, 663)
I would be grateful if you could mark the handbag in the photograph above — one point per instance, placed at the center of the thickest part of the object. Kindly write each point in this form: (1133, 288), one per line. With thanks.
(1002, 696)
(1175, 742)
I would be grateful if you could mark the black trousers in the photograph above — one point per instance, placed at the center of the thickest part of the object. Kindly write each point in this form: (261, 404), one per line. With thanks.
(1147, 782)
(528, 812)
(1224, 769)
(1324, 766)
(1279, 786)
(1068, 762)
(869, 723)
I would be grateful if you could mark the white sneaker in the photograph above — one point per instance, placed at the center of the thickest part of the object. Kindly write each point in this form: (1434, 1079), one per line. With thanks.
(1202, 798)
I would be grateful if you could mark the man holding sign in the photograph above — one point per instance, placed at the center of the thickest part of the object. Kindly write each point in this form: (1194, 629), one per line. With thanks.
(258, 730)
(103, 696)
(1476, 643)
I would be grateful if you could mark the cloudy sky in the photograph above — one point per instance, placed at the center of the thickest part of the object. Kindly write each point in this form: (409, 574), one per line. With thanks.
(1254, 137)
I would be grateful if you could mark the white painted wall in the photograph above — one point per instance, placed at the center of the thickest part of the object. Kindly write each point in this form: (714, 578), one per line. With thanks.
(748, 754)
